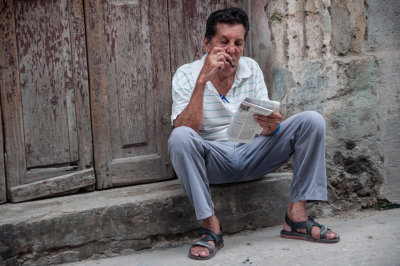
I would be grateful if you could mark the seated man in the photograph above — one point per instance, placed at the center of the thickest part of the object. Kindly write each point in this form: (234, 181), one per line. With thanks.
(206, 94)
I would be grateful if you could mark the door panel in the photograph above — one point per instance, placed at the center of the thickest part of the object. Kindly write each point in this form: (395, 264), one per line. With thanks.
(128, 51)
(45, 71)
(137, 169)
(46, 108)
(129, 68)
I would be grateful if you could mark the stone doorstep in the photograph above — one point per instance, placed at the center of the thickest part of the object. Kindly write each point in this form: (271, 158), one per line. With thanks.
(120, 220)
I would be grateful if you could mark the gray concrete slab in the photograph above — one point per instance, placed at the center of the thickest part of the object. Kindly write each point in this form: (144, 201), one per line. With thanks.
(367, 238)
(116, 221)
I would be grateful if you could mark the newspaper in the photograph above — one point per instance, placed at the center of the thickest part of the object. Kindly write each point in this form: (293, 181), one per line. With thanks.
(243, 128)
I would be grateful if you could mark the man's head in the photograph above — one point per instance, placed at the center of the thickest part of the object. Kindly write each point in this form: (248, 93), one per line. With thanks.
(225, 35)
(230, 16)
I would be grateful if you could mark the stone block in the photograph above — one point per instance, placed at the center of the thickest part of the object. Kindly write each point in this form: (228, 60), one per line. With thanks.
(110, 222)
(348, 25)
(341, 29)
(383, 24)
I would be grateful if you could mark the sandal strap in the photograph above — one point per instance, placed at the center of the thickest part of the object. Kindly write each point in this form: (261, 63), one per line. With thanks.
(211, 236)
(296, 225)
(323, 229)
(203, 243)
(323, 232)
(308, 225)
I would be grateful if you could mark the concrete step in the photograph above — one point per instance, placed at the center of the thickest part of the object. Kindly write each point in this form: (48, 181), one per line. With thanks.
(121, 220)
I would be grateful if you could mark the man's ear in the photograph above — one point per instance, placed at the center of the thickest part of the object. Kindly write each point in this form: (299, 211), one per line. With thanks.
(207, 45)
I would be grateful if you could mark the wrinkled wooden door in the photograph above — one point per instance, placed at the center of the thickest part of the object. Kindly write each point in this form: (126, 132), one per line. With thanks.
(129, 68)
(45, 98)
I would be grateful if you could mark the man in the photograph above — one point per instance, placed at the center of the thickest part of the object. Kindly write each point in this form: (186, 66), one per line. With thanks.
(206, 94)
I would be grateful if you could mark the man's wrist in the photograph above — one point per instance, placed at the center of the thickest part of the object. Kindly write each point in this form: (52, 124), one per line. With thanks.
(277, 129)
(201, 83)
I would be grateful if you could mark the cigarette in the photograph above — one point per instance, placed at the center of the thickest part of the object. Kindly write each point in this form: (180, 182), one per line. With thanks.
(232, 64)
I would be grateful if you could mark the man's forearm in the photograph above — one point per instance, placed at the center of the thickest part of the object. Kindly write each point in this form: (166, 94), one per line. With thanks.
(192, 115)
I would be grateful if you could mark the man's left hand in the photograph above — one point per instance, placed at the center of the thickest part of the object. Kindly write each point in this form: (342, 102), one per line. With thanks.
(268, 123)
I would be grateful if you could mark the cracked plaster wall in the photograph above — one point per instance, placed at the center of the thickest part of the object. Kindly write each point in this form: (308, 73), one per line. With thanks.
(340, 58)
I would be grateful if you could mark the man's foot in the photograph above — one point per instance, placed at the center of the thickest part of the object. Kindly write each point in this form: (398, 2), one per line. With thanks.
(297, 214)
(198, 251)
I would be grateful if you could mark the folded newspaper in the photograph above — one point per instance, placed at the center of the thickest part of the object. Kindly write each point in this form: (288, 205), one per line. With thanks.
(243, 128)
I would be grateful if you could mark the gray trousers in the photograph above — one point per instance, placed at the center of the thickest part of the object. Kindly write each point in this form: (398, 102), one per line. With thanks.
(198, 162)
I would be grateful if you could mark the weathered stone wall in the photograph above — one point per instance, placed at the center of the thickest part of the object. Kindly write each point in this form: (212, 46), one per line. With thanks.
(340, 58)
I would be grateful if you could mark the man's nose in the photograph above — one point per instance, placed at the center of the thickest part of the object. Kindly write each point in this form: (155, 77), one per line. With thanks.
(230, 49)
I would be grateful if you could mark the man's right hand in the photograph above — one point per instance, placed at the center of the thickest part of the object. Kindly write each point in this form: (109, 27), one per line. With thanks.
(192, 116)
(216, 61)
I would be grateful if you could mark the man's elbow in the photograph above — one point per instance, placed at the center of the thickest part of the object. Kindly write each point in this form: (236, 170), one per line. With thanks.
(179, 123)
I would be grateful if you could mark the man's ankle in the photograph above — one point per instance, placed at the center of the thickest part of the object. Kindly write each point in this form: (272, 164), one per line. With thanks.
(297, 211)
(211, 223)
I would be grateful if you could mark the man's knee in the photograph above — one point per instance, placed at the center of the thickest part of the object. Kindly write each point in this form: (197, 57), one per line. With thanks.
(180, 137)
(313, 120)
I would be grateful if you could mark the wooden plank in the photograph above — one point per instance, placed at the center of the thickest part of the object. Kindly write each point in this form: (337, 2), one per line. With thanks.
(129, 69)
(38, 174)
(72, 131)
(81, 84)
(137, 170)
(3, 190)
(162, 82)
(53, 186)
(98, 92)
(45, 67)
(11, 98)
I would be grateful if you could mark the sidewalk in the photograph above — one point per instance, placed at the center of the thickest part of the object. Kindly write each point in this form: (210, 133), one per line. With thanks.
(367, 238)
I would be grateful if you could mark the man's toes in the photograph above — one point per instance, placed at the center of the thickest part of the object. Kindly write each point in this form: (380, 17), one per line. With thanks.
(194, 252)
(331, 235)
(198, 251)
(203, 254)
(315, 232)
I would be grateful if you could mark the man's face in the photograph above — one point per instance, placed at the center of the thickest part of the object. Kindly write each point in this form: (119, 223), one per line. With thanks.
(231, 39)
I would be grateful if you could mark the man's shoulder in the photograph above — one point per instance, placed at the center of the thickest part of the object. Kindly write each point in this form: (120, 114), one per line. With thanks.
(183, 73)
(189, 67)
(186, 68)
(190, 70)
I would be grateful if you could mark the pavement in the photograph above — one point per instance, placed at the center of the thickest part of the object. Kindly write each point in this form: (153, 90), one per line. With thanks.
(368, 237)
